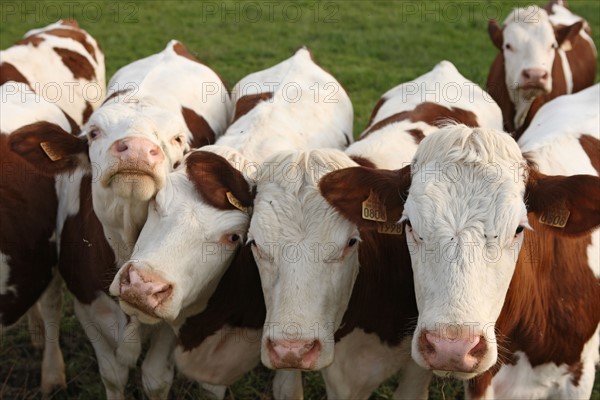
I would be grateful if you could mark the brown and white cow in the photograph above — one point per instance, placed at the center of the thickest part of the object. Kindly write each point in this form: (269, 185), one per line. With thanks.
(545, 53)
(189, 266)
(62, 63)
(157, 108)
(34, 76)
(326, 280)
(515, 313)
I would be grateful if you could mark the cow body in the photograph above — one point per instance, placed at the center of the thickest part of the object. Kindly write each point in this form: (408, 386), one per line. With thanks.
(338, 282)
(545, 53)
(156, 109)
(62, 63)
(40, 85)
(213, 296)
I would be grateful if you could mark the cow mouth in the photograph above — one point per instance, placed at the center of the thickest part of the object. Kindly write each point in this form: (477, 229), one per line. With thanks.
(463, 376)
(532, 90)
(128, 172)
(146, 316)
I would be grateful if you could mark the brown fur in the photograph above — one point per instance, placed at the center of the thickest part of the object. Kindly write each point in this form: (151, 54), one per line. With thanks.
(86, 262)
(25, 141)
(77, 35)
(87, 112)
(8, 72)
(248, 102)
(76, 63)
(380, 103)
(116, 95)
(591, 146)
(28, 206)
(74, 127)
(430, 113)
(202, 133)
(362, 161)
(213, 177)
(34, 40)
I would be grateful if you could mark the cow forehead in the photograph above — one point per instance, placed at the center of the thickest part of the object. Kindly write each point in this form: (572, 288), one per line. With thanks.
(528, 25)
(121, 120)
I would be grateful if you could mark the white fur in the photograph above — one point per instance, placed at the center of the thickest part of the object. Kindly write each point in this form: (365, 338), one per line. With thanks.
(391, 147)
(458, 215)
(5, 288)
(309, 109)
(45, 71)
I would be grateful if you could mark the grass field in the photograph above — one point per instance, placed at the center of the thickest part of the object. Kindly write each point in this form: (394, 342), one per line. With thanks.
(369, 47)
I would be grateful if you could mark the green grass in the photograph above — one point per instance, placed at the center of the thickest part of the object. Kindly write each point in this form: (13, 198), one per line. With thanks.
(368, 46)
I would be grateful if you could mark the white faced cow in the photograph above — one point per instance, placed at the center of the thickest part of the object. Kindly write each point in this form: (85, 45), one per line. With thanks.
(62, 63)
(189, 266)
(35, 75)
(157, 108)
(515, 313)
(544, 53)
(326, 278)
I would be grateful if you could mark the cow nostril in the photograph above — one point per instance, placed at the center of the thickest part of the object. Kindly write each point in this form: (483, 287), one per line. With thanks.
(480, 349)
(545, 76)
(121, 146)
(163, 293)
(526, 74)
(125, 280)
(154, 152)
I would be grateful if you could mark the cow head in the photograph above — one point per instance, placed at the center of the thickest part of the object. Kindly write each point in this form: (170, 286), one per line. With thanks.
(307, 258)
(191, 235)
(529, 43)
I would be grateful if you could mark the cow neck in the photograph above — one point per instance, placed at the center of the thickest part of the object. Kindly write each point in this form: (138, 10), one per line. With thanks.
(383, 299)
(122, 220)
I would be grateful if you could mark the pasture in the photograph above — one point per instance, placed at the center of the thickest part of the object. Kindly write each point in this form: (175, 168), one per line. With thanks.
(368, 46)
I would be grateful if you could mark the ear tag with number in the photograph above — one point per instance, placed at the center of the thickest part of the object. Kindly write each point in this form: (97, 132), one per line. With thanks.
(556, 217)
(50, 152)
(235, 202)
(373, 209)
(390, 228)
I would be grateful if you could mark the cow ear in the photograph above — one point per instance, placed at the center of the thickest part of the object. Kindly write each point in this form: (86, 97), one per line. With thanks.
(495, 32)
(49, 148)
(218, 182)
(380, 190)
(567, 35)
(569, 204)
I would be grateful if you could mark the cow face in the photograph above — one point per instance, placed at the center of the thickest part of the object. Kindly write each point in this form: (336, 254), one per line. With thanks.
(132, 147)
(190, 237)
(307, 259)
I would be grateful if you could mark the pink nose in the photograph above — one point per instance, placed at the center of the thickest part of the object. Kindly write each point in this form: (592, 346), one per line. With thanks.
(297, 354)
(461, 354)
(143, 290)
(137, 149)
(534, 77)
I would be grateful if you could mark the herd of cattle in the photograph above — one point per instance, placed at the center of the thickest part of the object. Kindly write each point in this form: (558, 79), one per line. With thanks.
(220, 229)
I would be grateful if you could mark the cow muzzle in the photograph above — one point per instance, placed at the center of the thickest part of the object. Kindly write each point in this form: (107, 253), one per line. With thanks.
(293, 354)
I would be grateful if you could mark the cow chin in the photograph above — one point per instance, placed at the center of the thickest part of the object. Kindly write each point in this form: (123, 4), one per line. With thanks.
(136, 312)
(531, 92)
(140, 187)
(463, 376)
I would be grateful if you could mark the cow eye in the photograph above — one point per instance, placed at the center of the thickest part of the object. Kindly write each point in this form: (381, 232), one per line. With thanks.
(554, 45)
(519, 229)
(352, 242)
(233, 238)
(93, 133)
(179, 139)
(507, 46)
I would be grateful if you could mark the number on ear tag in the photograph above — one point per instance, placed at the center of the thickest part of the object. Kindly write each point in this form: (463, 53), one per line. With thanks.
(556, 217)
(373, 209)
(50, 152)
(390, 228)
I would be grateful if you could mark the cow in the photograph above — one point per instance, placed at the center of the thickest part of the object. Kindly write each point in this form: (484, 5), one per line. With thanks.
(61, 62)
(190, 267)
(545, 53)
(28, 71)
(330, 286)
(514, 313)
(156, 109)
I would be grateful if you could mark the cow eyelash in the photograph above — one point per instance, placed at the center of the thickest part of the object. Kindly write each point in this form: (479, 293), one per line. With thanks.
(251, 243)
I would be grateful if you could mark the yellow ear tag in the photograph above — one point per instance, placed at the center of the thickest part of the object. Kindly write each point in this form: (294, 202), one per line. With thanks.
(373, 209)
(556, 217)
(50, 152)
(235, 202)
(390, 228)
(566, 45)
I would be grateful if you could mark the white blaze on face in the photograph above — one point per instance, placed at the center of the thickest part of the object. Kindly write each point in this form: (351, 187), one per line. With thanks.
(529, 50)
(307, 258)
(464, 215)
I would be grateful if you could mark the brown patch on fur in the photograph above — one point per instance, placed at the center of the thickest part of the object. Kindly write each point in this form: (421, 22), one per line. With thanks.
(34, 40)
(202, 133)
(75, 130)
(248, 102)
(430, 113)
(86, 262)
(76, 63)
(591, 146)
(87, 112)
(237, 302)
(70, 22)
(496, 87)
(576, 370)
(9, 72)
(116, 94)
(75, 34)
(362, 161)
(28, 206)
(26, 141)
(477, 386)
(495, 33)
(380, 103)
(417, 134)
(213, 177)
